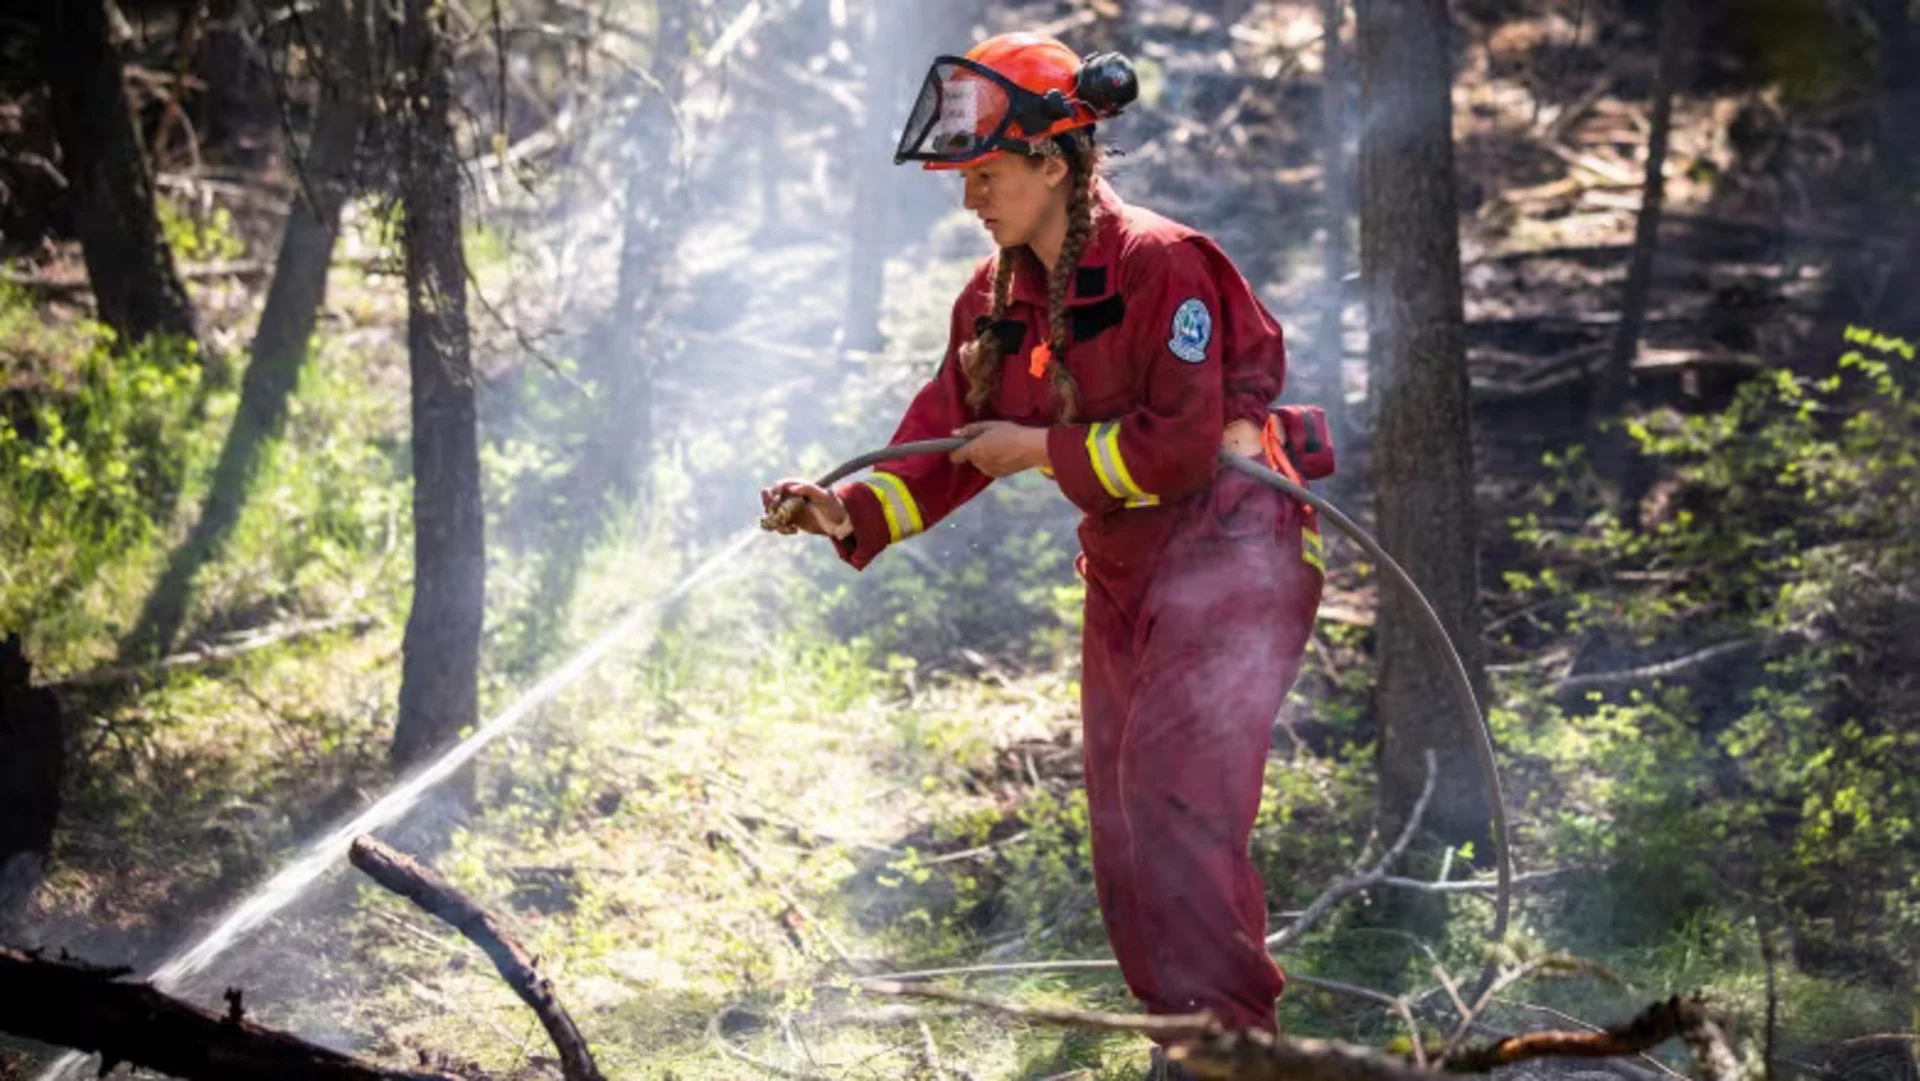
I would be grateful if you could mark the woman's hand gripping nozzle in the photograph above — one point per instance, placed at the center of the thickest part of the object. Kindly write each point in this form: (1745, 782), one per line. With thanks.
(780, 518)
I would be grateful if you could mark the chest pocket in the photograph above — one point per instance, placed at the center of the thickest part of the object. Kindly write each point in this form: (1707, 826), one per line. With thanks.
(1089, 321)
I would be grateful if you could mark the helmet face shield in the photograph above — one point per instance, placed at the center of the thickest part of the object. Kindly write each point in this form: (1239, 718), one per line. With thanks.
(965, 111)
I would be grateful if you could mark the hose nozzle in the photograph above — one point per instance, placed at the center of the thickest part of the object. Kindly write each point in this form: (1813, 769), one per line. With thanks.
(781, 516)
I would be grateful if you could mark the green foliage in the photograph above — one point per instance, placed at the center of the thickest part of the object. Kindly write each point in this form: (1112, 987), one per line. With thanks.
(199, 238)
(1793, 790)
(89, 466)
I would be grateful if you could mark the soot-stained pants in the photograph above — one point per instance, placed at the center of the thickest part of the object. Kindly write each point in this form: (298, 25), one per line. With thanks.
(1187, 657)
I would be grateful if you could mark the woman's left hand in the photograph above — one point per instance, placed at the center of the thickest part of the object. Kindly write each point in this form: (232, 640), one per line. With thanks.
(1001, 448)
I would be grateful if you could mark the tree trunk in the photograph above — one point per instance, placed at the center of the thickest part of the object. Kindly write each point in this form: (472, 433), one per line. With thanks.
(280, 345)
(32, 766)
(1611, 394)
(871, 205)
(1337, 207)
(128, 262)
(439, 685)
(91, 1009)
(1422, 448)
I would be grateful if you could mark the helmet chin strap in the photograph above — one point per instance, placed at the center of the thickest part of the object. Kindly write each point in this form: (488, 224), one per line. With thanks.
(1473, 723)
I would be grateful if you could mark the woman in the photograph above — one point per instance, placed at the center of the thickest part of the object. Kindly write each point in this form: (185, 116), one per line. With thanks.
(1118, 351)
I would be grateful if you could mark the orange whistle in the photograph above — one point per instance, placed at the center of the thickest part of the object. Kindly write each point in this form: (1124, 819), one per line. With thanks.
(1039, 360)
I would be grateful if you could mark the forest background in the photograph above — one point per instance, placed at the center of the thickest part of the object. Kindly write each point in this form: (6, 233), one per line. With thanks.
(362, 365)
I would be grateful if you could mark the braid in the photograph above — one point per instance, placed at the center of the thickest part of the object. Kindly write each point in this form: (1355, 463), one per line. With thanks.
(980, 358)
(1080, 163)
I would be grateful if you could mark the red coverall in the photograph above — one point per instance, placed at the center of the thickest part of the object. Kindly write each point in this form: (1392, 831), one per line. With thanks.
(1202, 584)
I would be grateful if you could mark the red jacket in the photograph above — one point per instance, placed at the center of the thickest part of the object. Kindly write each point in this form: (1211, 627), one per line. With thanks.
(1168, 344)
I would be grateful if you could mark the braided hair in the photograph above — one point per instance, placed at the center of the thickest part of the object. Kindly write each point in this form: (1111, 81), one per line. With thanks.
(981, 359)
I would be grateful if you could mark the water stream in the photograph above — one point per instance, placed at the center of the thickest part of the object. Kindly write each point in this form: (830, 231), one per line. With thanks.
(329, 851)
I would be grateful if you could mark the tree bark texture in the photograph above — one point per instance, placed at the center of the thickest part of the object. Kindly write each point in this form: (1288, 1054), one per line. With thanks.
(138, 291)
(413, 880)
(294, 299)
(32, 764)
(1422, 449)
(90, 1009)
(439, 690)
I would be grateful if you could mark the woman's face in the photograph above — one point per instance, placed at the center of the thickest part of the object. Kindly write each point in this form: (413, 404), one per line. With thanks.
(1014, 196)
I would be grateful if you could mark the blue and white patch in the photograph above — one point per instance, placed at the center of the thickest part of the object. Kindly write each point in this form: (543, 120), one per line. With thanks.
(1192, 330)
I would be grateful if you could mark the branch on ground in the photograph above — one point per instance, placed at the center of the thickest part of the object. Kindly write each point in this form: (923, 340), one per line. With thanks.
(1340, 891)
(1685, 1018)
(88, 1008)
(410, 879)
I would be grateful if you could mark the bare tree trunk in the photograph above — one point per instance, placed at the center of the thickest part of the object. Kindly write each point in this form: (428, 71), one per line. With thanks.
(91, 1009)
(32, 766)
(871, 206)
(1422, 448)
(439, 683)
(1336, 82)
(286, 325)
(128, 262)
(1611, 395)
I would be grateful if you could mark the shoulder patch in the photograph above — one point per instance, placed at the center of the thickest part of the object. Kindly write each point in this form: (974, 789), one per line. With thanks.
(1192, 330)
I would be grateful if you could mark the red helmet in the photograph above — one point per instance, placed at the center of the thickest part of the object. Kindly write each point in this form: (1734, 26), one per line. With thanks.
(1010, 93)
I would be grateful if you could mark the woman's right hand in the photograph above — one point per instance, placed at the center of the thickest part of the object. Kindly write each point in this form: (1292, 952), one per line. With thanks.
(822, 514)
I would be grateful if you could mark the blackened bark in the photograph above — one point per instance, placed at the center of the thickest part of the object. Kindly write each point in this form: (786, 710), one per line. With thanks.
(90, 1009)
(128, 261)
(1615, 379)
(1422, 449)
(439, 690)
(32, 766)
(294, 300)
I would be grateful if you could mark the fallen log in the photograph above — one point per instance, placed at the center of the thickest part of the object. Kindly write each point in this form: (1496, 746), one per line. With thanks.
(91, 1009)
(411, 879)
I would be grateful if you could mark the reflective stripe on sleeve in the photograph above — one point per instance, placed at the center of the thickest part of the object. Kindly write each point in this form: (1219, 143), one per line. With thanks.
(1103, 450)
(896, 501)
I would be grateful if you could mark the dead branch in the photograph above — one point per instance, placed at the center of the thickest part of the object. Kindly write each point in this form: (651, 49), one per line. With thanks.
(410, 879)
(1686, 1018)
(1340, 891)
(58, 283)
(1256, 1056)
(731, 1050)
(1165, 1025)
(214, 654)
(88, 1008)
(1648, 673)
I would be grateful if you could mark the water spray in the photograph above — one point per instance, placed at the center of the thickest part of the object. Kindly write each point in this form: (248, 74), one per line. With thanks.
(293, 880)
(323, 855)
(1481, 738)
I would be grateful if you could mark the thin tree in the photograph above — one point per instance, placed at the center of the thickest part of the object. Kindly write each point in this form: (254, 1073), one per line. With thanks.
(280, 345)
(439, 682)
(129, 264)
(1336, 83)
(1422, 457)
(1610, 396)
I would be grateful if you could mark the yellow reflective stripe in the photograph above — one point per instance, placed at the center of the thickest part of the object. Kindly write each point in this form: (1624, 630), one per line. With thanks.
(1140, 496)
(886, 508)
(1313, 549)
(903, 514)
(1094, 448)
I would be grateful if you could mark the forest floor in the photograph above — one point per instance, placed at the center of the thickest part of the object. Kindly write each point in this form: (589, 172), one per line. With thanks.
(789, 779)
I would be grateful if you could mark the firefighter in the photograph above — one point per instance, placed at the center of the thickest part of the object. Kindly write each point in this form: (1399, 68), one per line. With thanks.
(1118, 351)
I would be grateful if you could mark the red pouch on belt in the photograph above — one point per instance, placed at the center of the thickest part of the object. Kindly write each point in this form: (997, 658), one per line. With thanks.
(1307, 439)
